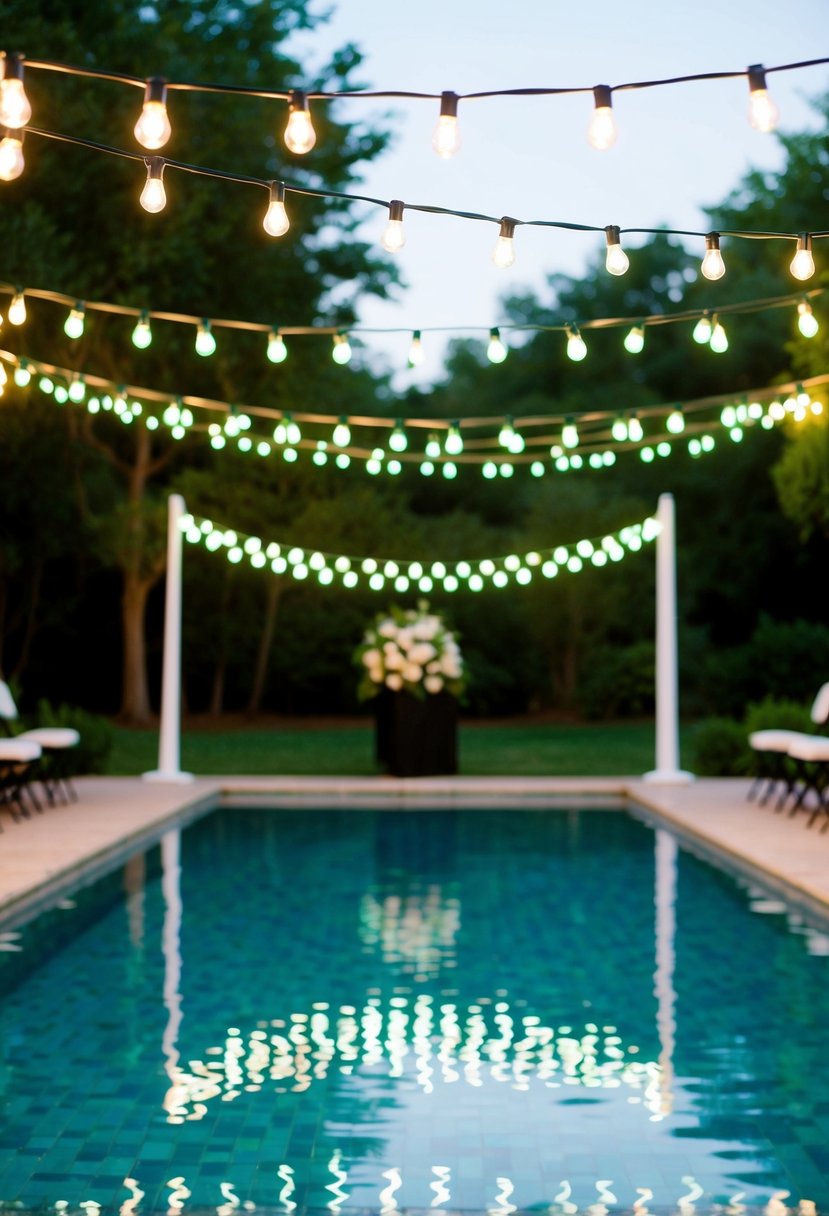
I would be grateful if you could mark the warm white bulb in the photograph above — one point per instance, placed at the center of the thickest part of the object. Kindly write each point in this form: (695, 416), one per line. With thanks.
(11, 158)
(617, 261)
(807, 322)
(342, 350)
(277, 350)
(300, 135)
(570, 435)
(342, 434)
(496, 351)
(394, 236)
(276, 222)
(205, 342)
(713, 266)
(74, 323)
(803, 264)
(635, 432)
(153, 196)
(416, 352)
(15, 108)
(601, 134)
(446, 139)
(762, 111)
(503, 255)
(635, 340)
(719, 339)
(576, 346)
(702, 331)
(142, 335)
(153, 127)
(17, 309)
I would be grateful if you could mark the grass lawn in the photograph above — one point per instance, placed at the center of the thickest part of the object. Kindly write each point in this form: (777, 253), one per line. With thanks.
(520, 748)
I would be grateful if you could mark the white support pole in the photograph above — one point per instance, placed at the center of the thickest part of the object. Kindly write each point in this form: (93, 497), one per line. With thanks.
(168, 736)
(667, 771)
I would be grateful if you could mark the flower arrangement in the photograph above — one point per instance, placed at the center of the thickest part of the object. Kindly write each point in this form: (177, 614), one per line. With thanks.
(410, 649)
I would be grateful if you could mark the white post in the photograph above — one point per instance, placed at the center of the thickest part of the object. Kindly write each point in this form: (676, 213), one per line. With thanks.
(667, 771)
(664, 899)
(168, 736)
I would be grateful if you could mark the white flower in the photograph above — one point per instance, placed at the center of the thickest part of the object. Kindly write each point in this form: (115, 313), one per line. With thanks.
(434, 667)
(431, 683)
(426, 628)
(404, 638)
(422, 652)
(450, 667)
(372, 657)
(394, 660)
(387, 628)
(394, 681)
(412, 672)
(375, 674)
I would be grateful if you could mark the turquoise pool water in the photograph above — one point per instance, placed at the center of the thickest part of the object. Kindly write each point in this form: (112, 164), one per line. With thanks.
(457, 1010)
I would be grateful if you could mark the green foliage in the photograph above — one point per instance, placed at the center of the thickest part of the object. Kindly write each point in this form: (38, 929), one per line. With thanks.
(801, 478)
(782, 659)
(96, 737)
(780, 713)
(618, 682)
(719, 748)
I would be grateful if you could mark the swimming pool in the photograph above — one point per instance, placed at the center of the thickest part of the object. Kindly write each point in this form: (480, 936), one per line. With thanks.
(386, 1010)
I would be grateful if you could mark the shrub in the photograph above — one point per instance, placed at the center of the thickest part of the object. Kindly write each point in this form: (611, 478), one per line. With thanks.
(618, 682)
(95, 732)
(720, 748)
(773, 712)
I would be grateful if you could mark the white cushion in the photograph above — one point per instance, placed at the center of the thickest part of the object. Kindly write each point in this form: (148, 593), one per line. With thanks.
(52, 736)
(774, 740)
(820, 708)
(810, 747)
(8, 709)
(19, 749)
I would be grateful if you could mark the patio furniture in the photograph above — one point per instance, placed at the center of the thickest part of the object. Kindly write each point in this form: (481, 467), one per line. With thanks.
(810, 754)
(771, 749)
(18, 766)
(55, 743)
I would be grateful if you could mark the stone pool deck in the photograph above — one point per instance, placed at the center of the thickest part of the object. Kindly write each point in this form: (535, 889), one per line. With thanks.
(114, 814)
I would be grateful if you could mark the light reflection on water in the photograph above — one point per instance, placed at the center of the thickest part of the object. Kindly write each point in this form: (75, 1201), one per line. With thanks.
(410, 1015)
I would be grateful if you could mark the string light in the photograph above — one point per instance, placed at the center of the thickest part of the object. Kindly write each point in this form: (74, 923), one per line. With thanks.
(762, 111)
(73, 326)
(503, 255)
(15, 108)
(453, 445)
(634, 341)
(17, 309)
(675, 421)
(342, 433)
(205, 341)
(601, 134)
(153, 127)
(142, 335)
(702, 330)
(394, 236)
(617, 261)
(576, 345)
(416, 352)
(276, 222)
(277, 350)
(635, 430)
(496, 351)
(719, 339)
(154, 196)
(713, 266)
(398, 441)
(807, 322)
(446, 139)
(803, 263)
(341, 352)
(619, 429)
(12, 162)
(300, 135)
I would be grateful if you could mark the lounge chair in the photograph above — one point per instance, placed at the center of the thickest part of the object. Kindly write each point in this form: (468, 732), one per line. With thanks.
(810, 756)
(55, 743)
(18, 766)
(771, 748)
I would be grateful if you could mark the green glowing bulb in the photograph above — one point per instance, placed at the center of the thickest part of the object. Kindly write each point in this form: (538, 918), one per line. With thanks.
(142, 335)
(74, 323)
(205, 342)
(397, 440)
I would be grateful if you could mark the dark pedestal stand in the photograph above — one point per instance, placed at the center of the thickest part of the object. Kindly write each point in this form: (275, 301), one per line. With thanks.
(416, 737)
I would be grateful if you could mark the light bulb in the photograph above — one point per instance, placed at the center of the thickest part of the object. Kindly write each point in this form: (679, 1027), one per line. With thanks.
(142, 335)
(617, 261)
(17, 309)
(416, 350)
(570, 434)
(397, 440)
(702, 330)
(15, 109)
(807, 322)
(453, 444)
(635, 432)
(496, 351)
(22, 374)
(719, 338)
(762, 111)
(803, 264)
(446, 139)
(276, 222)
(342, 349)
(73, 325)
(506, 433)
(601, 134)
(12, 163)
(154, 196)
(342, 434)
(635, 340)
(394, 235)
(675, 422)
(576, 346)
(503, 254)
(205, 342)
(713, 266)
(277, 350)
(153, 127)
(619, 429)
(300, 135)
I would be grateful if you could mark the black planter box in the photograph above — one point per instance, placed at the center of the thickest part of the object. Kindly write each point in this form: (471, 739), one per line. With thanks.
(416, 737)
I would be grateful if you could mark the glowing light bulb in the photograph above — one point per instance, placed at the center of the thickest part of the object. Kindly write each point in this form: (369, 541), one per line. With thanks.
(397, 440)
(807, 322)
(153, 127)
(506, 433)
(713, 266)
(702, 330)
(17, 309)
(616, 261)
(762, 111)
(22, 374)
(154, 196)
(394, 235)
(496, 351)
(276, 222)
(503, 254)
(416, 352)
(803, 264)
(342, 433)
(576, 346)
(675, 422)
(719, 338)
(142, 335)
(453, 444)
(635, 432)
(635, 340)
(342, 349)
(446, 139)
(12, 163)
(300, 135)
(619, 429)
(601, 134)
(15, 108)
(205, 342)
(570, 434)
(73, 325)
(277, 350)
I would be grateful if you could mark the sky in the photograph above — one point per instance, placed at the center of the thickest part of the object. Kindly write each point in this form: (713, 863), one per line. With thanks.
(679, 148)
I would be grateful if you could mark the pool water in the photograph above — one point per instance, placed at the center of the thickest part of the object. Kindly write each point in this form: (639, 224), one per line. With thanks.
(453, 1010)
